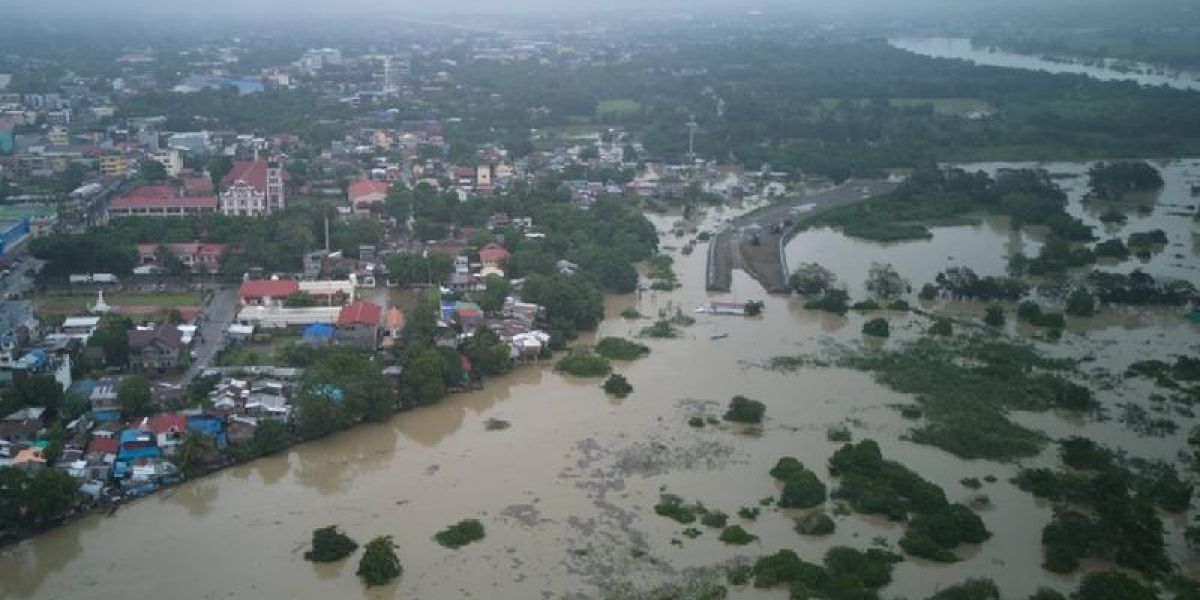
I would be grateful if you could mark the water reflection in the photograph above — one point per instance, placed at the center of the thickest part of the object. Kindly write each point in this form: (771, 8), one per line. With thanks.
(196, 496)
(28, 564)
(332, 464)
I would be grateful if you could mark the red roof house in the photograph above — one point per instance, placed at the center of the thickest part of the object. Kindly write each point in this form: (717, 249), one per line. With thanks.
(264, 292)
(366, 193)
(493, 255)
(360, 312)
(358, 324)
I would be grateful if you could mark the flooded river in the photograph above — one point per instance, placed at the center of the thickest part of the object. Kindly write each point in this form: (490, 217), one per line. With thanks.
(566, 492)
(963, 49)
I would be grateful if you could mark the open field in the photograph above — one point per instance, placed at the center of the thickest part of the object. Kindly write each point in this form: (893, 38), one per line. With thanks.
(80, 301)
(618, 106)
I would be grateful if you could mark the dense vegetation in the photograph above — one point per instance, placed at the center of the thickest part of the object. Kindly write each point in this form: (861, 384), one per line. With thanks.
(941, 195)
(1120, 497)
(1114, 180)
(965, 385)
(615, 348)
(582, 363)
(801, 487)
(873, 485)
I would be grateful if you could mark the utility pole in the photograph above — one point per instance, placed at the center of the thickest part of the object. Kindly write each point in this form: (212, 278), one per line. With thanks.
(326, 235)
(691, 126)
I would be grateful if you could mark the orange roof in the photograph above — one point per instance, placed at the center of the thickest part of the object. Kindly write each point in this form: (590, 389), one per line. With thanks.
(274, 288)
(394, 319)
(493, 252)
(366, 187)
(360, 312)
(253, 172)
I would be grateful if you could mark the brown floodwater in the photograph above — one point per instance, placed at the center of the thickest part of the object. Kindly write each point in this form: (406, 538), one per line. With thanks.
(566, 492)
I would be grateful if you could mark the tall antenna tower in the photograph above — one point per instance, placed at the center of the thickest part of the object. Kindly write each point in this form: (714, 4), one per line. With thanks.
(691, 126)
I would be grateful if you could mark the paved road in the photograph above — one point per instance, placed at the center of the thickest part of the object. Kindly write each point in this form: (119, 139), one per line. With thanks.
(216, 317)
(765, 261)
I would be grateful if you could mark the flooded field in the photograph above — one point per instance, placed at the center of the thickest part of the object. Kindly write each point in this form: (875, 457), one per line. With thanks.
(566, 492)
(963, 49)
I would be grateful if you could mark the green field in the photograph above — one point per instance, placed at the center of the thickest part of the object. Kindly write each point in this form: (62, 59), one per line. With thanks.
(954, 107)
(84, 301)
(618, 106)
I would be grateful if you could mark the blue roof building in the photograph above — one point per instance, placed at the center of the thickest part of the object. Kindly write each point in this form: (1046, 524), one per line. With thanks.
(210, 425)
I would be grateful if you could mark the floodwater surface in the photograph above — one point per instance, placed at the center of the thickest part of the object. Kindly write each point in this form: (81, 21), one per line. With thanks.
(963, 49)
(566, 493)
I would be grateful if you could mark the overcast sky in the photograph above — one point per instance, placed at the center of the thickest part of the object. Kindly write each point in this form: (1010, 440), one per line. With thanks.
(473, 10)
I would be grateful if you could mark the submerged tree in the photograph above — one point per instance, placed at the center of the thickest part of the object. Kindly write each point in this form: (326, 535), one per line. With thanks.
(329, 544)
(379, 563)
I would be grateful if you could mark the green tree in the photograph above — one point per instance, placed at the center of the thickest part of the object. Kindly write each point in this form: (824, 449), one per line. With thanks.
(491, 299)
(884, 283)
(488, 355)
(135, 397)
(379, 563)
(14, 484)
(744, 410)
(330, 545)
(152, 171)
(50, 494)
(38, 390)
(1081, 303)
(218, 168)
(423, 380)
(811, 279)
(197, 451)
(112, 336)
(270, 437)
(1113, 585)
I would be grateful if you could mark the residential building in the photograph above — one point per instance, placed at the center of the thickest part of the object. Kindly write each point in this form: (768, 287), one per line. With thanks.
(492, 257)
(367, 195)
(114, 165)
(254, 188)
(198, 257)
(169, 430)
(358, 325)
(155, 349)
(171, 160)
(103, 399)
(22, 425)
(267, 292)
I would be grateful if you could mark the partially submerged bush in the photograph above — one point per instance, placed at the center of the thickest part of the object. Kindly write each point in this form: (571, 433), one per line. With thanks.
(460, 534)
(815, 523)
(379, 563)
(617, 385)
(583, 364)
(744, 410)
(734, 534)
(876, 327)
(615, 348)
(329, 545)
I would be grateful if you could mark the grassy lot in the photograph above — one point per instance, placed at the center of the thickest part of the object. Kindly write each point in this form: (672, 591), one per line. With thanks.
(954, 107)
(618, 106)
(83, 301)
(259, 353)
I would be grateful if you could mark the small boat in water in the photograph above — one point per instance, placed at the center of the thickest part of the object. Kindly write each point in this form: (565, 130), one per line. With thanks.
(718, 336)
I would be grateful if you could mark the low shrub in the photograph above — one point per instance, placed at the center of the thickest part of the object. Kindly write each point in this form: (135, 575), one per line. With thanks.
(460, 534)
(744, 410)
